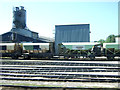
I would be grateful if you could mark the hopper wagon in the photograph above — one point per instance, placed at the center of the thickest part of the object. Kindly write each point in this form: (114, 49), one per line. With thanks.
(75, 50)
(111, 50)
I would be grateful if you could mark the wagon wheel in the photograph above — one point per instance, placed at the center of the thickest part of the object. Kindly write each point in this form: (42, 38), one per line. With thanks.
(110, 57)
(92, 56)
(14, 56)
(26, 56)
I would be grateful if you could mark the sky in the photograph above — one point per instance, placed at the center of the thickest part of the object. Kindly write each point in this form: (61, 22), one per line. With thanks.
(43, 15)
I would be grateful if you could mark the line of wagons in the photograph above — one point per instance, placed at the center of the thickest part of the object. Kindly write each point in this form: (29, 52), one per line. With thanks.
(66, 50)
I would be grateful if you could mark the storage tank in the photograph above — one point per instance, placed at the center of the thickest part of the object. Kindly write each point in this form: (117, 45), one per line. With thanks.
(71, 33)
(19, 17)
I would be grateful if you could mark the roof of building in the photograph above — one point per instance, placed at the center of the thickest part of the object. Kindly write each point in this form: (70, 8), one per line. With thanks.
(73, 24)
(7, 37)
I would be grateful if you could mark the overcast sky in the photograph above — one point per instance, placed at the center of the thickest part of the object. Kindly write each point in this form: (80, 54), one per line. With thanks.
(43, 15)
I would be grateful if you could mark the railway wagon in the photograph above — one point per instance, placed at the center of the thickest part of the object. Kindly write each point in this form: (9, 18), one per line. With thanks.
(109, 50)
(38, 50)
(76, 49)
(13, 50)
(26, 50)
(112, 49)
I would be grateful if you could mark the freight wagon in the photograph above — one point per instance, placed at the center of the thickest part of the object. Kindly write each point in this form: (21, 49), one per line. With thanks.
(75, 50)
(38, 50)
(13, 50)
(26, 50)
(109, 50)
(112, 50)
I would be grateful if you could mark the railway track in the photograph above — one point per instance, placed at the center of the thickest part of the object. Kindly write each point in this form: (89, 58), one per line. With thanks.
(60, 71)
(64, 59)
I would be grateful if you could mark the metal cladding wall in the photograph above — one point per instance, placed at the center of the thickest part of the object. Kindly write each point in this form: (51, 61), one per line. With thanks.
(71, 33)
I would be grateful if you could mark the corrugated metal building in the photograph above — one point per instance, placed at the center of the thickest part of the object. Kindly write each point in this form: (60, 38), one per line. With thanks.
(71, 33)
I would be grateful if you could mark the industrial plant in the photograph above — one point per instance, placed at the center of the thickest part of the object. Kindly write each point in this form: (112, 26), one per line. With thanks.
(71, 40)
(20, 31)
(70, 61)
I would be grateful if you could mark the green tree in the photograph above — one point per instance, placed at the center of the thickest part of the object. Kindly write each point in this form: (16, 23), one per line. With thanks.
(110, 39)
(101, 41)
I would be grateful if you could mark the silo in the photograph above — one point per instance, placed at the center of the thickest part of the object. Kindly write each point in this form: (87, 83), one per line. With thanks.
(71, 33)
(19, 17)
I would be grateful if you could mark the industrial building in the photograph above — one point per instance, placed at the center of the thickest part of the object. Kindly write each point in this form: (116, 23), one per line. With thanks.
(19, 31)
(71, 33)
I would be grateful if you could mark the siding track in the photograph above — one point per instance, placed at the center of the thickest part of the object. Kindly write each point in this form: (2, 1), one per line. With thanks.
(60, 71)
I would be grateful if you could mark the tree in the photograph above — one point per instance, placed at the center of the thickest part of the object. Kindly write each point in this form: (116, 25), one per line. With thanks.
(110, 39)
(101, 41)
